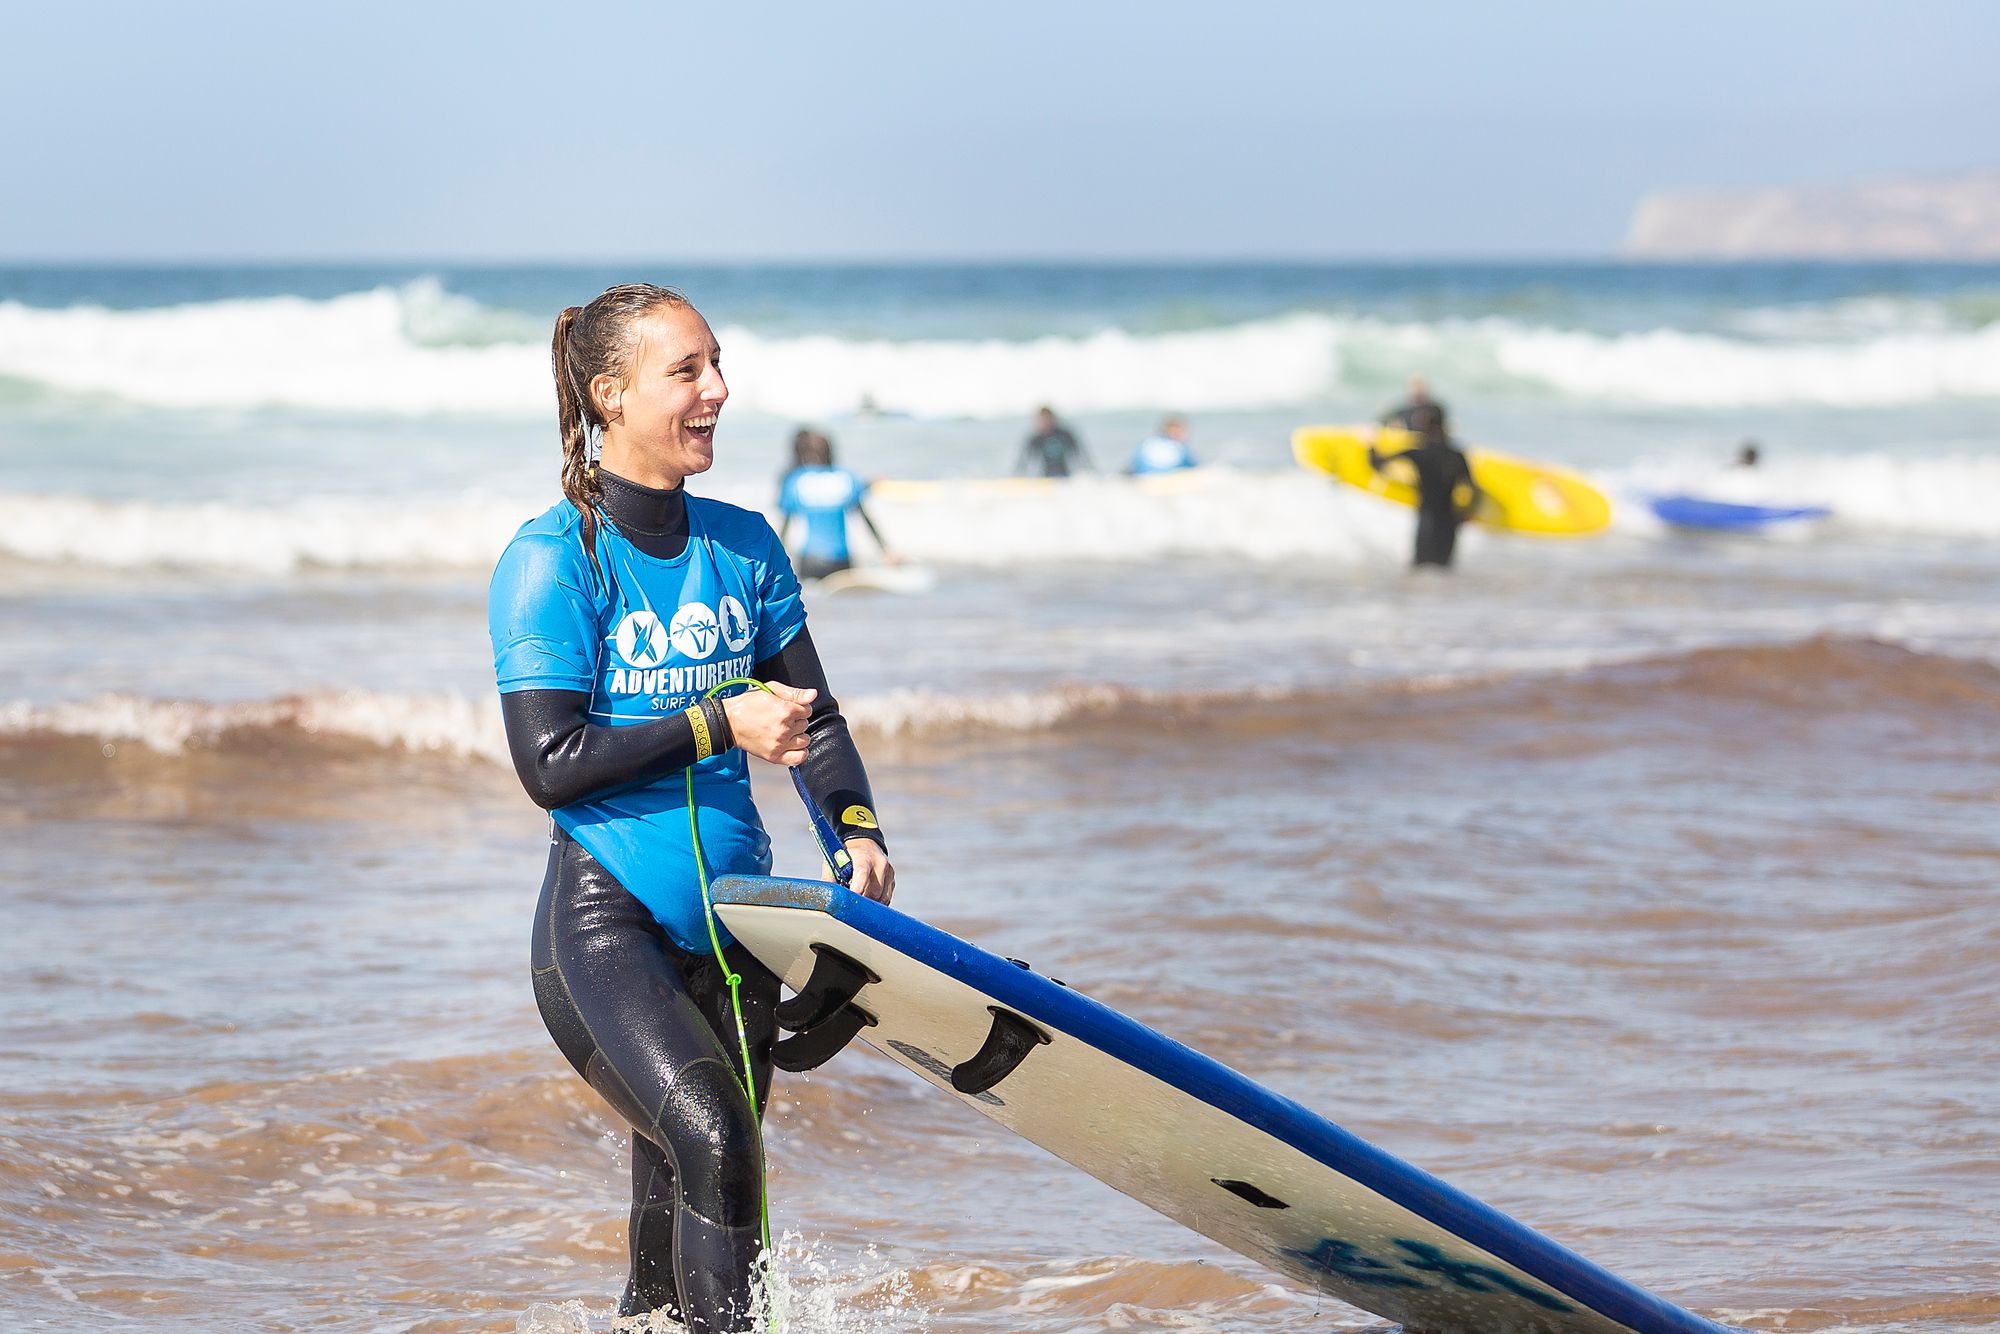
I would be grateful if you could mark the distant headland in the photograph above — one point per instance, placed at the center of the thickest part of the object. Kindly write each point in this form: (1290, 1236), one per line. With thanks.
(1905, 217)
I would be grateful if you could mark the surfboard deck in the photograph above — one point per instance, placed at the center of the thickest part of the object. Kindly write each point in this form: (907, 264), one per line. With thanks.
(1686, 511)
(1520, 495)
(1189, 1137)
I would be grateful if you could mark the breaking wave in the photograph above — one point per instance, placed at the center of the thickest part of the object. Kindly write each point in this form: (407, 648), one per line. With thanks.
(418, 349)
(1821, 676)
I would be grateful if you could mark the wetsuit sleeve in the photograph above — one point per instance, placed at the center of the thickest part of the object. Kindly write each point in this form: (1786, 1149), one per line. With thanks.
(562, 757)
(869, 522)
(832, 769)
(1475, 494)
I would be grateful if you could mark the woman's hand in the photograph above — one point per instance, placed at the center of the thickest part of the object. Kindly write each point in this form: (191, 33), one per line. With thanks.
(771, 726)
(873, 877)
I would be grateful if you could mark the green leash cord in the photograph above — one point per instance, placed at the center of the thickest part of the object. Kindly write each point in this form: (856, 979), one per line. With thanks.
(730, 975)
(841, 864)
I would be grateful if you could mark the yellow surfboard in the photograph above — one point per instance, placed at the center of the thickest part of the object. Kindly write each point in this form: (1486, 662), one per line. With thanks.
(1520, 496)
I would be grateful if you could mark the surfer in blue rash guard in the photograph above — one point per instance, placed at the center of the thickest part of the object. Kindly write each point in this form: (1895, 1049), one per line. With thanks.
(822, 495)
(612, 614)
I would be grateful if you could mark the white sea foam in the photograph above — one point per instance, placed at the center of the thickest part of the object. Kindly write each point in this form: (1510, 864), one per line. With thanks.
(358, 353)
(418, 349)
(1672, 368)
(455, 727)
(1220, 512)
(276, 539)
(1265, 364)
(1260, 516)
(450, 725)
(1091, 518)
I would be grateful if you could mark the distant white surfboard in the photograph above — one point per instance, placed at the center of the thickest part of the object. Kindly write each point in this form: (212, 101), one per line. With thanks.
(903, 579)
(1168, 1126)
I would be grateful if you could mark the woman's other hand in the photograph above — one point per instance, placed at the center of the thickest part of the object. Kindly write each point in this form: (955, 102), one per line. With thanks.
(771, 726)
(874, 877)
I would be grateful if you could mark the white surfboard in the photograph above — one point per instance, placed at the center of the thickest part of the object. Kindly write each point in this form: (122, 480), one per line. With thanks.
(1179, 1132)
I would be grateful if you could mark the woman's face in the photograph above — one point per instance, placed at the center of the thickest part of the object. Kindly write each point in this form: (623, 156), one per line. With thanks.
(660, 418)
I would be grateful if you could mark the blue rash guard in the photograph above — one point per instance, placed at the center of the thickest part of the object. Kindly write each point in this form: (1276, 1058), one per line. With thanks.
(822, 496)
(647, 640)
(1160, 453)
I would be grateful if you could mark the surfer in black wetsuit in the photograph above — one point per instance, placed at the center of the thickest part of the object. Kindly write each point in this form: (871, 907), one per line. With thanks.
(611, 732)
(1053, 450)
(1442, 472)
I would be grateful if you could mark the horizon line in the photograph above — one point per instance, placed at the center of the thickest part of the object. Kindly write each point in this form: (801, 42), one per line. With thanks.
(1601, 258)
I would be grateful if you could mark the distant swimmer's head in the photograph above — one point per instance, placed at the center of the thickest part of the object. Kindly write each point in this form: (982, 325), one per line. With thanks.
(640, 369)
(1174, 428)
(1746, 454)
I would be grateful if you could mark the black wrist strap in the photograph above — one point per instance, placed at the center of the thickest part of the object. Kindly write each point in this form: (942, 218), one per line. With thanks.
(718, 725)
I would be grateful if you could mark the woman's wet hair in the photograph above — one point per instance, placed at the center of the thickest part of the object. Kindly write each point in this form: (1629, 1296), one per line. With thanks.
(592, 340)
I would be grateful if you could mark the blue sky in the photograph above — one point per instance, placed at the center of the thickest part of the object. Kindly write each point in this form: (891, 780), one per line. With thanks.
(874, 130)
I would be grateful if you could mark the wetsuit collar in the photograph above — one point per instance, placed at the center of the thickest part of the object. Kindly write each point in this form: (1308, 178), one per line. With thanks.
(642, 509)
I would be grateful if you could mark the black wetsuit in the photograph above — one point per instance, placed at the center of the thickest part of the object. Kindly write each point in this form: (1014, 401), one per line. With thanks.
(1052, 453)
(645, 1022)
(1441, 470)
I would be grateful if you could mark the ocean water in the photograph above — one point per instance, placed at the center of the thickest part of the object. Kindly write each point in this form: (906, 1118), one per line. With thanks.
(1640, 885)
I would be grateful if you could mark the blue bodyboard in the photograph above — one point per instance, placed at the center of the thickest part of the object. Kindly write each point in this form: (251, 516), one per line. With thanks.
(1724, 516)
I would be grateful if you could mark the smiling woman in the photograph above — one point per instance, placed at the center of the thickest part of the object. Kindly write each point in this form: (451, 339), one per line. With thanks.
(615, 616)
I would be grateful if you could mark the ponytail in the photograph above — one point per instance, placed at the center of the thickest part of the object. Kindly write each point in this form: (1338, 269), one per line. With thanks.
(593, 340)
(573, 411)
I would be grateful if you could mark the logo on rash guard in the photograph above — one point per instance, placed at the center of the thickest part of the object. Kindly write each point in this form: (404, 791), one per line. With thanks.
(642, 640)
(735, 625)
(694, 631)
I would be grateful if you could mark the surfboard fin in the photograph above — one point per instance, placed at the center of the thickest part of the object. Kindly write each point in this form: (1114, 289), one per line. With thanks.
(1007, 1044)
(819, 1044)
(835, 981)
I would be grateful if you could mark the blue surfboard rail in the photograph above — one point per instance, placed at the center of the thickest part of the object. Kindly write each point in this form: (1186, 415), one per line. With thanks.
(1684, 511)
(1201, 1077)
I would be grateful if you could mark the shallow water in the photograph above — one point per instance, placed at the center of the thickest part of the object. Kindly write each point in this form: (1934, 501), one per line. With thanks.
(1641, 887)
(1627, 952)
